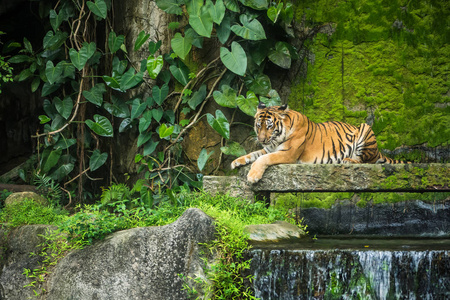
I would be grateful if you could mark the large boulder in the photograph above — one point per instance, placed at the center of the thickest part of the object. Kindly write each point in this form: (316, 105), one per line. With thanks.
(20, 196)
(140, 263)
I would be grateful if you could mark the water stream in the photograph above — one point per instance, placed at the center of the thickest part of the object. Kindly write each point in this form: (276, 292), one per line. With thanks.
(353, 268)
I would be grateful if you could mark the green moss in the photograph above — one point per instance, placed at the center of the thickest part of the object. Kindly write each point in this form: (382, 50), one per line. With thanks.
(387, 60)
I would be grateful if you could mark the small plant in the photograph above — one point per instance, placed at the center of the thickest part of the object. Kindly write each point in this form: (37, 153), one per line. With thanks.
(48, 188)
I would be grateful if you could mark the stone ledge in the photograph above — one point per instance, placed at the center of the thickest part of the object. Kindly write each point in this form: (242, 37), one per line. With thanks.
(335, 178)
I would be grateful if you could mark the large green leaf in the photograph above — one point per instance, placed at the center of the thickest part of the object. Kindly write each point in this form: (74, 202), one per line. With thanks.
(259, 84)
(224, 29)
(95, 94)
(53, 41)
(236, 60)
(137, 108)
(150, 147)
(165, 131)
(145, 121)
(117, 108)
(97, 159)
(219, 124)
(232, 5)
(248, 105)
(62, 171)
(170, 6)
(98, 8)
(181, 74)
(141, 39)
(281, 55)
(153, 47)
(217, 10)
(48, 88)
(101, 126)
(193, 6)
(130, 79)
(52, 72)
(160, 94)
(80, 58)
(112, 82)
(274, 11)
(256, 4)
(250, 29)
(233, 148)
(64, 107)
(56, 19)
(197, 97)
(154, 65)
(143, 138)
(157, 114)
(202, 22)
(115, 42)
(203, 158)
(273, 99)
(51, 160)
(226, 98)
(181, 45)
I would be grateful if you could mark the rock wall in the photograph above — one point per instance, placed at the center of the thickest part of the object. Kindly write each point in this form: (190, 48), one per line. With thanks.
(386, 64)
(140, 263)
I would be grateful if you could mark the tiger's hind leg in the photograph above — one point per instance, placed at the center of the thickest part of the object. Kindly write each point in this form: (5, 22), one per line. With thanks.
(365, 146)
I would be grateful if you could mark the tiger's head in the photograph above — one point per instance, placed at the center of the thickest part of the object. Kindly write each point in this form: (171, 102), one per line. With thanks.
(269, 125)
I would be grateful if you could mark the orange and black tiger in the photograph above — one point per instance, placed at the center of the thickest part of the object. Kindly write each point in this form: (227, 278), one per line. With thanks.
(288, 137)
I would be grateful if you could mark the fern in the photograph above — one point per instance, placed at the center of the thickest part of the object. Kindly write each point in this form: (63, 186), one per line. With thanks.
(48, 188)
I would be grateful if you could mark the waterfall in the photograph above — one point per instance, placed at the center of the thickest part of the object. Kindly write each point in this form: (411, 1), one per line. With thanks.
(350, 274)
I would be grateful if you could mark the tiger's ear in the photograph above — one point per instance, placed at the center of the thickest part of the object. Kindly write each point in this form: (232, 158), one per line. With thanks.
(261, 105)
(283, 107)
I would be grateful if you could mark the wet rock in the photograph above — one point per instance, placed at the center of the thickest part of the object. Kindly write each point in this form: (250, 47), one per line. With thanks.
(279, 231)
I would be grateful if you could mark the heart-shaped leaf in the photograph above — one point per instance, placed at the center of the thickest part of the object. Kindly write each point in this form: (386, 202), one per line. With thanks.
(137, 108)
(130, 79)
(101, 126)
(117, 108)
(141, 39)
(219, 124)
(145, 121)
(170, 6)
(97, 160)
(248, 105)
(153, 47)
(80, 58)
(44, 119)
(250, 29)
(181, 74)
(95, 94)
(197, 97)
(53, 41)
(62, 171)
(154, 65)
(233, 148)
(157, 114)
(281, 55)
(181, 45)
(165, 131)
(112, 82)
(150, 147)
(260, 84)
(256, 4)
(236, 60)
(98, 8)
(274, 11)
(53, 73)
(143, 138)
(224, 29)
(64, 107)
(160, 94)
(232, 5)
(226, 98)
(202, 22)
(217, 10)
(115, 42)
(52, 160)
(48, 88)
(56, 19)
(203, 158)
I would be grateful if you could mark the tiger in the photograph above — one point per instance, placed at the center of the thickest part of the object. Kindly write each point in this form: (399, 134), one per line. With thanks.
(288, 137)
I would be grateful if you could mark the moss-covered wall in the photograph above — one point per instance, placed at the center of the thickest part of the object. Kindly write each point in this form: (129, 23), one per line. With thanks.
(388, 62)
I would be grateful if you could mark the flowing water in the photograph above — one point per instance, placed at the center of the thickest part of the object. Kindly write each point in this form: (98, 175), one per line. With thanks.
(353, 269)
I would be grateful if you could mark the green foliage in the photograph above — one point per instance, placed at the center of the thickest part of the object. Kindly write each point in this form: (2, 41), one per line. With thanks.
(29, 212)
(6, 71)
(49, 189)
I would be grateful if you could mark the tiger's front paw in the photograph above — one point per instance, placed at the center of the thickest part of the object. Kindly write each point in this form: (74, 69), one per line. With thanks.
(255, 174)
(238, 162)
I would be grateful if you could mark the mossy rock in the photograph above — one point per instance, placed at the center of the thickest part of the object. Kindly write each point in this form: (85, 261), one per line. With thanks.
(21, 196)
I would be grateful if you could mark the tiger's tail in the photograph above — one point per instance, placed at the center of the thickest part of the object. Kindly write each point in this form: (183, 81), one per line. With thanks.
(386, 160)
